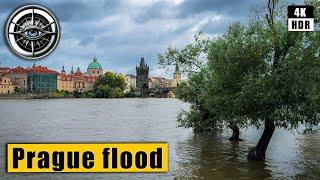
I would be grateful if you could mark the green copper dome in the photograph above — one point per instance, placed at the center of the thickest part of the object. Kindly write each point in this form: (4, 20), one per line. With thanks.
(94, 64)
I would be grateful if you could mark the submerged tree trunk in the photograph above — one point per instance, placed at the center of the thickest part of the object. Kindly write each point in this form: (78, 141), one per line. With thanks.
(235, 133)
(259, 152)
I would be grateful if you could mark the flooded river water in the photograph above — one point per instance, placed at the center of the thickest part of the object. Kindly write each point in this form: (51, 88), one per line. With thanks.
(291, 154)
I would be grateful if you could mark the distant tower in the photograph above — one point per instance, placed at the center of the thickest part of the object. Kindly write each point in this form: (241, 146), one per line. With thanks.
(63, 71)
(177, 74)
(71, 72)
(142, 79)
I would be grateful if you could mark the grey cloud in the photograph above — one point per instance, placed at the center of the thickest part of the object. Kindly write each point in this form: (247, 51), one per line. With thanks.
(86, 40)
(230, 8)
(68, 10)
(155, 11)
(187, 8)
(81, 11)
(223, 7)
(136, 31)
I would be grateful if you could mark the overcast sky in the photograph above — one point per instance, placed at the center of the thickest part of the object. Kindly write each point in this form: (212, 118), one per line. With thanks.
(119, 32)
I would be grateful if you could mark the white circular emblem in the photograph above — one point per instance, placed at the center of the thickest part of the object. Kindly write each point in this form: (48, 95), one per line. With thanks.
(32, 32)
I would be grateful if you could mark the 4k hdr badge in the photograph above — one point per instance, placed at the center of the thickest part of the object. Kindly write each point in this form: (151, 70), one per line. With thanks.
(32, 32)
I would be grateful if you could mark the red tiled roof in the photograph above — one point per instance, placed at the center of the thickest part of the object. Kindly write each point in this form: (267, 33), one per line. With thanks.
(4, 74)
(40, 69)
(78, 74)
(91, 77)
(18, 70)
(65, 76)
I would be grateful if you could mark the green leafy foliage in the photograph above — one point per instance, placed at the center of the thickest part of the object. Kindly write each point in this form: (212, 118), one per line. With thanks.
(194, 91)
(62, 94)
(190, 59)
(233, 56)
(252, 74)
(110, 85)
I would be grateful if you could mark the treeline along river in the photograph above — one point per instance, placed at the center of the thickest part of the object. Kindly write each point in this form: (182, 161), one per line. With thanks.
(293, 154)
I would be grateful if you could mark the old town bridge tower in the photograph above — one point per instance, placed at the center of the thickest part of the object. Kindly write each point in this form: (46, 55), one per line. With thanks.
(142, 79)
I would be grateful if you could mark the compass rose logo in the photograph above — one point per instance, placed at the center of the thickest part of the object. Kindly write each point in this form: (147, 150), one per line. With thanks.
(32, 32)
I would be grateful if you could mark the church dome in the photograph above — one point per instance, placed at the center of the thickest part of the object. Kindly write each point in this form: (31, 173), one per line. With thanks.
(94, 64)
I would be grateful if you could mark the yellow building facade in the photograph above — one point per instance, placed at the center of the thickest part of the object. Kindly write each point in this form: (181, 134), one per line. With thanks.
(65, 83)
(78, 81)
(6, 86)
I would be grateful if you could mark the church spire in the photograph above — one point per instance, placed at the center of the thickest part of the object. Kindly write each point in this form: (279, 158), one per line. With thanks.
(177, 68)
(142, 63)
(71, 70)
(63, 71)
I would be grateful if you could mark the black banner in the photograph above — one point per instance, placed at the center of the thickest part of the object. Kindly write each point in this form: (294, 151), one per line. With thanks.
(300, 12)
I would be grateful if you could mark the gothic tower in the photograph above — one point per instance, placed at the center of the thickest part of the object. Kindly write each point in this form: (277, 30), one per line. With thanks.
(142, 79)
(177, 74)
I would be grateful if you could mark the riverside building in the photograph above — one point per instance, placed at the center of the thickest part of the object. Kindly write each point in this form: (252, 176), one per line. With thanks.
(19, 76)
(41, 79)
(79, 81)
(36, 79)
(6, 86)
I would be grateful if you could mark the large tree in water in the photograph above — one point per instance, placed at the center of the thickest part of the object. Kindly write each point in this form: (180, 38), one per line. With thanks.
(265, 76)
(232, 57)
(193, 60)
